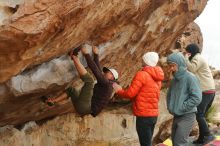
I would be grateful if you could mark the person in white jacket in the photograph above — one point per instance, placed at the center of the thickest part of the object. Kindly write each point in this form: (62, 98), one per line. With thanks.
(198, 65)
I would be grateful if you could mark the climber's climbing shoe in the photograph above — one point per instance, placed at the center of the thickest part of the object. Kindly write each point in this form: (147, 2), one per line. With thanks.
(45, 100)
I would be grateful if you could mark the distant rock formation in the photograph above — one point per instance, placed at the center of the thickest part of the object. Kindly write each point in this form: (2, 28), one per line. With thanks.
(192, 34)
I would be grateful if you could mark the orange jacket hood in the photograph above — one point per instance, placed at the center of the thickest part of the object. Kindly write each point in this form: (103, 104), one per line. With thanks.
(155, 72)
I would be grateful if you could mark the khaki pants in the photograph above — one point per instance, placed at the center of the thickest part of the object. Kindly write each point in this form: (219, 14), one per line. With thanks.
(82, 99)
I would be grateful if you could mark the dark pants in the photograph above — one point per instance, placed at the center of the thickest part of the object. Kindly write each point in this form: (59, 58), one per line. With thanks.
(145, 129)
(203, 107)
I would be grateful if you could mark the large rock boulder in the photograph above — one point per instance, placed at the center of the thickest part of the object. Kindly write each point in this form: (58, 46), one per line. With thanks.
(35, 36)
(192, 34)
(112, 127)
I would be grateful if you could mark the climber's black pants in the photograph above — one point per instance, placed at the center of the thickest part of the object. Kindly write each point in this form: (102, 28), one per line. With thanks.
(145, 129)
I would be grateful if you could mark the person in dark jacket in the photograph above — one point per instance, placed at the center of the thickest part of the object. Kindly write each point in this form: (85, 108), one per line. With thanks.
(93, 97)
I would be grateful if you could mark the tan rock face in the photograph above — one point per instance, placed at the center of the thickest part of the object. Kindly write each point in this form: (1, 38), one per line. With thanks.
(39, 31)
(192, 34)
(215, 118)
(116, 127)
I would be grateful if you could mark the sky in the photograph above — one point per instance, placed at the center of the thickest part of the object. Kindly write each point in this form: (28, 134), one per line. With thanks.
(209, 22)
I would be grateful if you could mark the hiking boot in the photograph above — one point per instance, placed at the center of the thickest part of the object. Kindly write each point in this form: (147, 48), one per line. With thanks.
(45, 100)
(208, 139)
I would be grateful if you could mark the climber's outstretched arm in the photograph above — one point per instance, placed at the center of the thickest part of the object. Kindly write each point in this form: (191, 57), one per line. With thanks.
(94, 68)
(79, 67)
(95, 51)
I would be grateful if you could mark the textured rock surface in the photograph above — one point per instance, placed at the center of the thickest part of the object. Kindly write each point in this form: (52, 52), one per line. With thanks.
(192, 34)
(216, 73)
(112, 127)
(70, 130)
(39, 31)
(216, 117)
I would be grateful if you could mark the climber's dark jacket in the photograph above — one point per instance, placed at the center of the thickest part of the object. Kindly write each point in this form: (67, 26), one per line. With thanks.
(103, 88)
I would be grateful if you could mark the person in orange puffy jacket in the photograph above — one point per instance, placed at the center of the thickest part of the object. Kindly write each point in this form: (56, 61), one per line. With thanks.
(144, 93)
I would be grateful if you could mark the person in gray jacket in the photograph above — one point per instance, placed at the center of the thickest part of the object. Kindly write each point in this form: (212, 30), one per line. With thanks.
(197, 64)
(183, 97)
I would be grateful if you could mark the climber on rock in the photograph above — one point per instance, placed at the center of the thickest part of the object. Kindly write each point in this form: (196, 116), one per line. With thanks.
(93, 97)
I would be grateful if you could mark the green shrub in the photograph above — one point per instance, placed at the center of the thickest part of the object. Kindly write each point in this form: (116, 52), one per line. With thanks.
(210, 114)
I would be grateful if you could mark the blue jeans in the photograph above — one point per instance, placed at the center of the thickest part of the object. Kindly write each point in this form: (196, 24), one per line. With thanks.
(145, 129)
(202, 108)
